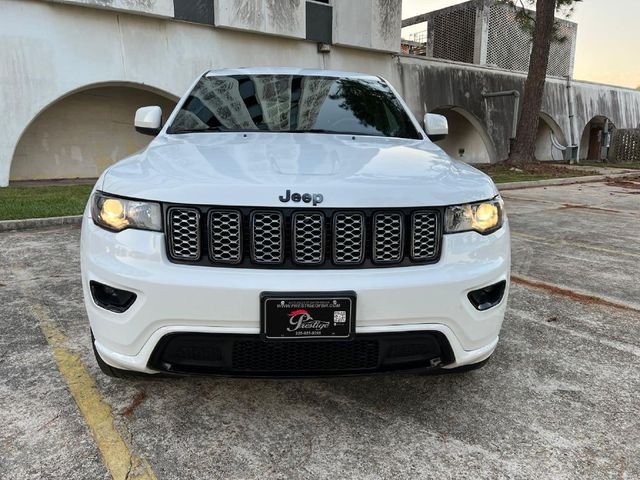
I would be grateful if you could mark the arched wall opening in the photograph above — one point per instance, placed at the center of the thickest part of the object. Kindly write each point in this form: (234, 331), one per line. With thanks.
(595, 140)
(83, 133)
(551, 142)
(467, 140)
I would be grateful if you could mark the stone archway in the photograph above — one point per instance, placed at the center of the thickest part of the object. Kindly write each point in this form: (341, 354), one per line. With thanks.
(81, 134)
(594, 144)
(551, 143)
(467, 140)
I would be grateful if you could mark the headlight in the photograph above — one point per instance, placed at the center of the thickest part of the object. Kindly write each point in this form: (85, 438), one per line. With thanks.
(117, 214)
(482, 217)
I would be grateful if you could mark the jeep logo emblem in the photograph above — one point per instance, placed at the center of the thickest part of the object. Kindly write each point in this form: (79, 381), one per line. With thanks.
(316, 198)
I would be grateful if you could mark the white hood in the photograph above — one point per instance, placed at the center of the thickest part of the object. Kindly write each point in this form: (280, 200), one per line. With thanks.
(254, 169)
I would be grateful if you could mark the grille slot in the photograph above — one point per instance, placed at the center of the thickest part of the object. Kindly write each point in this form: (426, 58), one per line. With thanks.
(184, 233)
(225, 236)
(308, 238)
(348, 238)
(267, 242)
(425, 238)
(388, 234)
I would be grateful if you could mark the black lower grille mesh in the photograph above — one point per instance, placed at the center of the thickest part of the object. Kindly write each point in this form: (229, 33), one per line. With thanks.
(256, 355)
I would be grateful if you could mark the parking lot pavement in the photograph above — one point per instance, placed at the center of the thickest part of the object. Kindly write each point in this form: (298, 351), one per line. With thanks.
(559, 399)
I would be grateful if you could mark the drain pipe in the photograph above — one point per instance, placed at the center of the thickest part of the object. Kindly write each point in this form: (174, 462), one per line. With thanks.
(516, 109)
(572, 122)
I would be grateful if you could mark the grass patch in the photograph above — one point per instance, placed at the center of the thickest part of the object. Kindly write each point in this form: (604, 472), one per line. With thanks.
(40, 202)
(505, 172)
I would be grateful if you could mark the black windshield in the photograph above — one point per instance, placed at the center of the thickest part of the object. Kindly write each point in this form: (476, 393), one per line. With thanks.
(293, 103)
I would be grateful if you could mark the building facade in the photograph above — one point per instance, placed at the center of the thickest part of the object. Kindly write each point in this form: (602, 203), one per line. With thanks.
(74, 72)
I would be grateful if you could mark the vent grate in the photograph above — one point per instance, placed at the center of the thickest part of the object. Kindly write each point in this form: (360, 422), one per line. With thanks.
(425, 238)
(184, 233)
(308, 238)
(267, 245)
(348, 238)
(387, 237)
(225, 236)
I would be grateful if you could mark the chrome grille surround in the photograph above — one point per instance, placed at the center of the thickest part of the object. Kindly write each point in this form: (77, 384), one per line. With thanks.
(348, 238)
(225, 236)
(267, 237)
(308, 237)
(388, 237)
(425, 235)
(183, 224)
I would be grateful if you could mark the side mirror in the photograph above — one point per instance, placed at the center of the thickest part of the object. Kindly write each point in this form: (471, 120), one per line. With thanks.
(436, 126)
(148, 120)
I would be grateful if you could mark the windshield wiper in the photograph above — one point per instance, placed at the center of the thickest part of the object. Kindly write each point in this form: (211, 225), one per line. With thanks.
(195, 130)
(331, 132)
(217, 128)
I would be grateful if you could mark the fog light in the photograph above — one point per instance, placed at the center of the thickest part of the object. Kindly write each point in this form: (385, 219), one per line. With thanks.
(110, 298)
(487, 297)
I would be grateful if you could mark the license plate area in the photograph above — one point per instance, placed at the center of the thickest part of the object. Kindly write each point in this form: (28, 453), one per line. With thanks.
(307, 316)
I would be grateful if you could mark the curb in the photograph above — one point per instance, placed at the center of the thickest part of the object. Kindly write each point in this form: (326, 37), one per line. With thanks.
(29, 223)
(564, 181)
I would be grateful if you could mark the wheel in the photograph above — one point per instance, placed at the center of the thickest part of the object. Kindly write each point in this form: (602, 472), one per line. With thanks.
(110, 371)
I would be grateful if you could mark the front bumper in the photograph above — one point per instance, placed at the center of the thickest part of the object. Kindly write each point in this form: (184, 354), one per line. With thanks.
(175, 298)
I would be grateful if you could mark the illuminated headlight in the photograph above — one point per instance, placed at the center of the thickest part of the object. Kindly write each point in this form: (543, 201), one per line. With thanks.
(117, 214)
(482, 217)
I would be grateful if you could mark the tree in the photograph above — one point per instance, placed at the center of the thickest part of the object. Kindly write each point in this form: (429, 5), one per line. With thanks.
(544, 31)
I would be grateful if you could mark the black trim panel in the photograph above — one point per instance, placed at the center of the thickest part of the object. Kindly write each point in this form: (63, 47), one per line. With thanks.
(319, 26)
(249, 356)
(196, 11)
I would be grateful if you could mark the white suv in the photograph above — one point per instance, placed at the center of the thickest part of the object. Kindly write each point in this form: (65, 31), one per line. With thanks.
(293, 222)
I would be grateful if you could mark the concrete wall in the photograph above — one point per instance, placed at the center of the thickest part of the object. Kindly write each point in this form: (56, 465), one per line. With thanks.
(428, 84)
(373, 24)
(84, 133)
(162, 8)
(284, 17)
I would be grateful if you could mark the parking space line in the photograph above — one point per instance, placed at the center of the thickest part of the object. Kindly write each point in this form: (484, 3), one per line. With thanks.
(121, 462)
(534, 238)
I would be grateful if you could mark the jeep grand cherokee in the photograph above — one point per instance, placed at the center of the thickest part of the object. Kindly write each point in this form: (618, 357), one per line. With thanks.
(293, 222)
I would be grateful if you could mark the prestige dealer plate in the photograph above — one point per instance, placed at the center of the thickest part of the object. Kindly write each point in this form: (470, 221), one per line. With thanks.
(310, 316)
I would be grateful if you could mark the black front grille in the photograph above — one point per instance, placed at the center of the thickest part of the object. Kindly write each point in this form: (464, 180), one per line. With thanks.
(309, 238)
(249, 355)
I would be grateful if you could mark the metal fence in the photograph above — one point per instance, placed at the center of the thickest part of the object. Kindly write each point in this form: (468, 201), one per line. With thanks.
(487, 32)
(509, 46)
(625, 146)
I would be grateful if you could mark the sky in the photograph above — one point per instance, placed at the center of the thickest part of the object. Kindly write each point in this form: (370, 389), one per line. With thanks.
(608, 47)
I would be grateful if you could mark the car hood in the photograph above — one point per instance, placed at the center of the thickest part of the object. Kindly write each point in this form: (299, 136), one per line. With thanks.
(255, 169)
